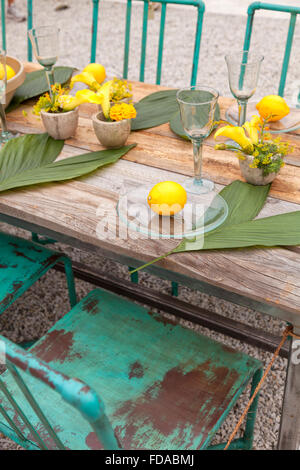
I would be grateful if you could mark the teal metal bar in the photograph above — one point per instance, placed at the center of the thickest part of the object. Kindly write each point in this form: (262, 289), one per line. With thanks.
(144, 41)
(94, 30)
(287, 54)
(22, 415)
(25, 390)
(199, 4)
(127, 39)
(12, 424)
(294, 11)
(201, 11)
(29, 26)
(175, 289)
(251, 416)
(134, 277)
(3, 24)
(272, 7)
(161, 42)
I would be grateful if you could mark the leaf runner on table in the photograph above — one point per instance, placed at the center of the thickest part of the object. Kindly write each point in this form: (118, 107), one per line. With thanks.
(30, 160)
(239, 230)
(36, 84)
(159, 108)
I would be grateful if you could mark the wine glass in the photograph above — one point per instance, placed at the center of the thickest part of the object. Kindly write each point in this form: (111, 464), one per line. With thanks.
(44, 42)
(5, 135)
(243, 73)
(197, 110)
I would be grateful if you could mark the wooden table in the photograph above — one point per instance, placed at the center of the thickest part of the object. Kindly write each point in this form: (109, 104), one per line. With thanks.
(265, 279)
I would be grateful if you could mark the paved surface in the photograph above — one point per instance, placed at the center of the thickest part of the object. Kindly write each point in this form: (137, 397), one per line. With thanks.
(31, 316)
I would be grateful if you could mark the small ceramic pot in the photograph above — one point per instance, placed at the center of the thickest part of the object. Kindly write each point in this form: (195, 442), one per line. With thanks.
(113, 134)
(255, 175)
(60, 126)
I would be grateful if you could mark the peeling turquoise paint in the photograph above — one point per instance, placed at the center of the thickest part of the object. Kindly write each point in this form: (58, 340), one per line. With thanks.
(183, 388)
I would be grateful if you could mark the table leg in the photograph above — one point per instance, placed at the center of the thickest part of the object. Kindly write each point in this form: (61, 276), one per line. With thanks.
(289, 434)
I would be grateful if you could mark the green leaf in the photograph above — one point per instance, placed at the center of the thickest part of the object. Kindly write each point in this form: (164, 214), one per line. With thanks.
(244, 200)
(28, 152)
(29, 160)
(36, 84)
(155, 109)
(158, 108)
(269, 231)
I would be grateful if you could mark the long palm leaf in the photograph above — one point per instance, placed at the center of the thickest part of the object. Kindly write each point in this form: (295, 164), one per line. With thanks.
(245, 202)
(30, 160)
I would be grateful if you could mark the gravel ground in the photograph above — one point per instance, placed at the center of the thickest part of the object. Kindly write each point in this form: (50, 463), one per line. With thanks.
(32, 316)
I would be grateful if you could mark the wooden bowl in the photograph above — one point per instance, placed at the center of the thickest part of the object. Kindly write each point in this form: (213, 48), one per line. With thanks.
(17, 80)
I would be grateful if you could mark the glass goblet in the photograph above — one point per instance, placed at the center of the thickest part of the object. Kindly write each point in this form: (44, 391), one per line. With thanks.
(197, 110)
(5, 135)
(243, 72)
(45, 45)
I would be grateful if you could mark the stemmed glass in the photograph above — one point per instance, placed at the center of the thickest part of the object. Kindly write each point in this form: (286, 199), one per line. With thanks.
(197, 109)
(243, 73)
(5, 134)
(44, 42)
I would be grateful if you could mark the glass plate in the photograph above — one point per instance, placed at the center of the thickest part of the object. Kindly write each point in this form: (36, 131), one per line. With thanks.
(201, 214)
(289, 123)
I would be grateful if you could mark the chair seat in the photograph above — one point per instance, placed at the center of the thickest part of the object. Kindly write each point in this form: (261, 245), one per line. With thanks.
(22, 262)
(163, 386)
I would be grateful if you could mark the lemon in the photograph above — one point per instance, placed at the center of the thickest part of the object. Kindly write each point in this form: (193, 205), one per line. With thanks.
(10, 73)
(97, 70)
(167, 198)
(274, 106)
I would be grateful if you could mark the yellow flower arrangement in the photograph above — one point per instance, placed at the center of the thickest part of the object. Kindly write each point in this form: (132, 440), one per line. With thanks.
(112, 91)
(267, 153)
(118, 112)
(61, 101)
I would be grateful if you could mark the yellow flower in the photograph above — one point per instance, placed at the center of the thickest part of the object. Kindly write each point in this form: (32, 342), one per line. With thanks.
(104, 93)
(89, 96)
(88, 79)
(238, 135)
(122, 111)
(68, 103)
(252, 128)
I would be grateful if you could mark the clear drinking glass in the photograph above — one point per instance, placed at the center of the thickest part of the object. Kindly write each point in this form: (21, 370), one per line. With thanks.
(5, 135)
(243, 73)
(197, 109)
(45, 45)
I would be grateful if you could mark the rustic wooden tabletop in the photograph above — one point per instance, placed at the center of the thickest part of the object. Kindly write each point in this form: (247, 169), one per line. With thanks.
(72, 212)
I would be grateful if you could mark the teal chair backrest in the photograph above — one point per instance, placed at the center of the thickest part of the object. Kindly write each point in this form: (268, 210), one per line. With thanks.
(75, 392)
(198, 4)
(294, 11)
(29, 26)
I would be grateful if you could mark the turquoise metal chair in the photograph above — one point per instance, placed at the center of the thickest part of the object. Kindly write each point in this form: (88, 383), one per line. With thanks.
(29, 26)
(294, 11)
(163, 386)
(22, 263)
(198, 4)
